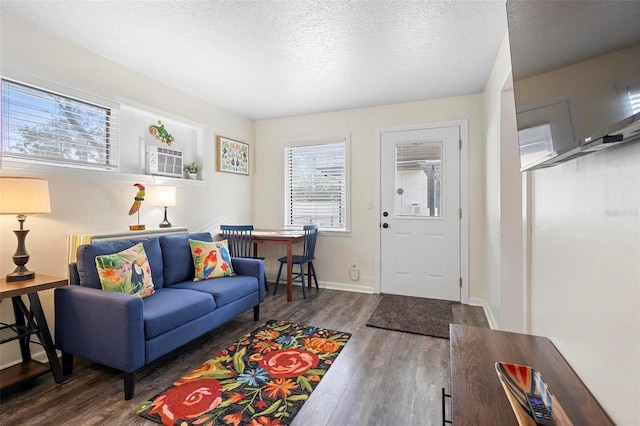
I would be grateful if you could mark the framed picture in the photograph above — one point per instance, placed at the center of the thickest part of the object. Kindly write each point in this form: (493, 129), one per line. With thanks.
(233, 156)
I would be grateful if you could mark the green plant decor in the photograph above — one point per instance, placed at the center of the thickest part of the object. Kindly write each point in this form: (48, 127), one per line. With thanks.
(191, 167)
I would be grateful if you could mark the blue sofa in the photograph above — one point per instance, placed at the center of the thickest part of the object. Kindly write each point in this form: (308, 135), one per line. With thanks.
(127, 332)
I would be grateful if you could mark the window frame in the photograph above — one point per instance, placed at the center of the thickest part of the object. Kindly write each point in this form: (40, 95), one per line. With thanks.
(318, 141)
(58, 89)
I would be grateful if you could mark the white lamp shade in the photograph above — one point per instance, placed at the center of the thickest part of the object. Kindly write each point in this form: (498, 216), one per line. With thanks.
(165, 196)
(24, 196)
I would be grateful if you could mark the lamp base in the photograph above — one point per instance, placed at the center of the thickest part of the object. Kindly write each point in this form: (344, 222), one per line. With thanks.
(165, 223)
(136, 227)
(20, 276)
(21, 256)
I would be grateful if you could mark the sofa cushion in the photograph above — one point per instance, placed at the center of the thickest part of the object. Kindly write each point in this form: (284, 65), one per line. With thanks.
(169, 308)
(87, 253)
(211, 259)
(225, 289)
(176, 256)
(127, 272)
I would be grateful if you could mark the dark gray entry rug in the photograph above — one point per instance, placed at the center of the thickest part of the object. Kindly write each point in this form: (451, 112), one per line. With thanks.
(417, 315)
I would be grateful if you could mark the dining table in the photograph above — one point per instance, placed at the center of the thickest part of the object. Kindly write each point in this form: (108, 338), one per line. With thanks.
(279, 236)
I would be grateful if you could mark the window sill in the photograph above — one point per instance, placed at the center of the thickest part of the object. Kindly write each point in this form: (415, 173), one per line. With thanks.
(325, 232)
(335, 233)
(42, 170)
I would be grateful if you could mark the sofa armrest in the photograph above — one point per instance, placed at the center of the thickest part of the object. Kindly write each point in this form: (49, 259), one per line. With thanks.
(253, 268)
(103, 326)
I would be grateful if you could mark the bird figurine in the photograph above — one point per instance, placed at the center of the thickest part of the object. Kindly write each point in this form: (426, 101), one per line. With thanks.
(210, 263)
(138, 199)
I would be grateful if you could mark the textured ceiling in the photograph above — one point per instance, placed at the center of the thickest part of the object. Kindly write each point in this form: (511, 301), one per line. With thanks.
(266, 59)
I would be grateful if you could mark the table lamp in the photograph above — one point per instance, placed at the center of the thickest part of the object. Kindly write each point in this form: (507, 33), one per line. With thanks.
(21, 197)
(165, 197)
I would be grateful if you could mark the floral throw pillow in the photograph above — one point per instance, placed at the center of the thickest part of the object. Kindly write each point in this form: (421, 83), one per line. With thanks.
(126, 272)
(211, 259)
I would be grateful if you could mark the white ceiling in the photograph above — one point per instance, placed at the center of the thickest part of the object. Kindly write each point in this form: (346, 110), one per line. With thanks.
(266, 59)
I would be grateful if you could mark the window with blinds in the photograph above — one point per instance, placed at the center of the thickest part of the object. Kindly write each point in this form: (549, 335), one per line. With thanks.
(45, 127)
(316, 184)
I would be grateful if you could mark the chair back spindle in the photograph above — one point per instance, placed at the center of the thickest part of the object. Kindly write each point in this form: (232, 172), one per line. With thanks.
(239, 238)
(310, 237)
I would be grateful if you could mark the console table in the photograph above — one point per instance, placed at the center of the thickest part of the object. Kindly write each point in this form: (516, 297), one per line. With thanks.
(28, 322)
(477, 397)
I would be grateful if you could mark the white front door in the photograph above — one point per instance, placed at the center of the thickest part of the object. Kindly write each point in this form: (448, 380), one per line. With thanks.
(420, 213)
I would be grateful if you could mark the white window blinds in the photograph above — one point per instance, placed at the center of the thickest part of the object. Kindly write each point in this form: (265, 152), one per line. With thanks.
(316, 185)
(46, 127)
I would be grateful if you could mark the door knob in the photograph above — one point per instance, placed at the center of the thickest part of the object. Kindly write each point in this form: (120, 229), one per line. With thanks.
(385, 214)
(385, 225)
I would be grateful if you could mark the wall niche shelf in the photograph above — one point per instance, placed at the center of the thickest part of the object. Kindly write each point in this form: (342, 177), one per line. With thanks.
(187, 142)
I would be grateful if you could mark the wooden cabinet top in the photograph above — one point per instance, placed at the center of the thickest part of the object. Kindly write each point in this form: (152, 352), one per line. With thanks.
(38, 283)
(477, 397)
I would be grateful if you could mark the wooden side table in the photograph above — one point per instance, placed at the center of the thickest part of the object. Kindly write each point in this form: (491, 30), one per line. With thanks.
(29, 322)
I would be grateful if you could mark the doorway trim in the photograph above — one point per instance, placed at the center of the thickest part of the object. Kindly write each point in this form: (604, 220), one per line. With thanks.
(463, 125)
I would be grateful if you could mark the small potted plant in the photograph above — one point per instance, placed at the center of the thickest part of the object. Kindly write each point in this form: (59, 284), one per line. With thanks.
(191, 169)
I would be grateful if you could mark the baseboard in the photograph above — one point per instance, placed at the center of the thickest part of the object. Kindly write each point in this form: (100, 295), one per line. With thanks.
(346, 287)
(334, 286)
(475, 301)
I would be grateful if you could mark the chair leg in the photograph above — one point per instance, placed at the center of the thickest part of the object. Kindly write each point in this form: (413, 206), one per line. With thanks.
(315, 278)
(304, 289)
(275, 288)
(266, 283)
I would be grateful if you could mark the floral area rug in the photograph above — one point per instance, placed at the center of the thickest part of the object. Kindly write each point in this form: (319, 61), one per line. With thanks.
(264, 379)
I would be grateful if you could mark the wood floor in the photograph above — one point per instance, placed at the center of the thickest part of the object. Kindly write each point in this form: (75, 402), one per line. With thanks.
(381, 377)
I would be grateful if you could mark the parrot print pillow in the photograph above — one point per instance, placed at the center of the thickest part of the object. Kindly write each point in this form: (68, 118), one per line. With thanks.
(211, 259)
(126, 272)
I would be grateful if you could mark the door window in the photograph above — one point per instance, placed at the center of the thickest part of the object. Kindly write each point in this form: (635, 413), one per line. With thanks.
(419, 179)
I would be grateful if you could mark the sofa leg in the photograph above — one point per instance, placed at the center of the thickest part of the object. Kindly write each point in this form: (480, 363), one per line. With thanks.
(67, 364)
(256, 313)
(129, 385)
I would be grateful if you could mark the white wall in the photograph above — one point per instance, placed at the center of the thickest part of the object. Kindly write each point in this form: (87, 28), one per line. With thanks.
(585, 271)
(584, 290)
(505, 297)
(336, 253)
(90, 202)
(503, 239)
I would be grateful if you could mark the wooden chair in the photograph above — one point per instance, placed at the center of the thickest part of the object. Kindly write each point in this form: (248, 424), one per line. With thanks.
(307, 256)
(240, 242)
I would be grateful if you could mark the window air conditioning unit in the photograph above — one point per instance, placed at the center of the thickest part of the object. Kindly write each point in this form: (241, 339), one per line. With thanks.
(163, 161)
